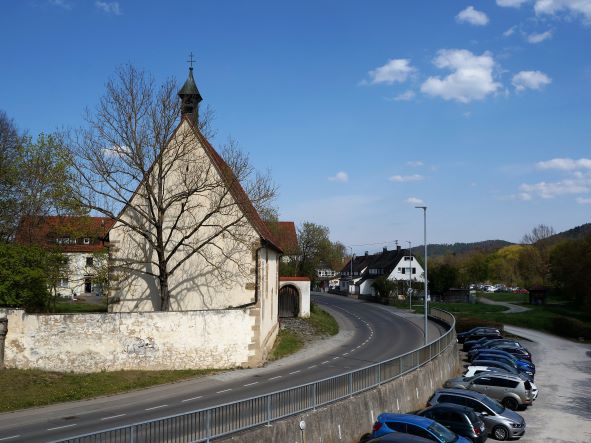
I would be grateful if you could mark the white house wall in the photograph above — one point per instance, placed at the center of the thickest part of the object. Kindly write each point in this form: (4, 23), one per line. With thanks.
(398, 275)
(77, 272)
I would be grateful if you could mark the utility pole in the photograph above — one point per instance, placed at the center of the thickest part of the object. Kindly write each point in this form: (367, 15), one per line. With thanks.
(409, 275)
(426, 295)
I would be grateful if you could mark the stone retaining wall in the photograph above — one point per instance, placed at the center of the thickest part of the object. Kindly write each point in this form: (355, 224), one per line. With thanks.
(346, 421)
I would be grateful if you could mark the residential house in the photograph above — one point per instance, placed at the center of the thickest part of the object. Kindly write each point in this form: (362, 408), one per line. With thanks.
(83, 240)
(359, 274)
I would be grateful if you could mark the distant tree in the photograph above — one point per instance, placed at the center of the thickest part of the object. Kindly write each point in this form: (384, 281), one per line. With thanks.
(442, 276)
(540, 232)
(316, 249)
(129, 147)
(570, 262)
(10, 141)
(383, 286)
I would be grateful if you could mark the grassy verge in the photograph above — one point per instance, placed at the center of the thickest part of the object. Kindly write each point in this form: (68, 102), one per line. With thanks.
(27, 388)
(505, 297)
(287, 343)
(322, 321)
(68, 307)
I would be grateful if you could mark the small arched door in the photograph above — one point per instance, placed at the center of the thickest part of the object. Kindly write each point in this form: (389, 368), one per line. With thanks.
(289, 301)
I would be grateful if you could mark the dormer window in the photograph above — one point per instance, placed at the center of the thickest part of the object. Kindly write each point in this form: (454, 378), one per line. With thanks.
(86, 240)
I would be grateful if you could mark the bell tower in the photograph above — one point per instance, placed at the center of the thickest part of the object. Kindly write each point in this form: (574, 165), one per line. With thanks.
(190, 96)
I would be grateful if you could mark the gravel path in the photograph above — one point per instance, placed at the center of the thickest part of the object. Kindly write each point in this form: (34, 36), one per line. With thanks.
(562, 412)
(511, 308)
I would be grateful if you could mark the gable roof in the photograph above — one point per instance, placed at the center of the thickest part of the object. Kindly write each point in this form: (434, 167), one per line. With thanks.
(44, 230)
(385, 260)
(285, 234)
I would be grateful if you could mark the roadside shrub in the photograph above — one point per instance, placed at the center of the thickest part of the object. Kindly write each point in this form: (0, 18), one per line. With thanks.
(571, 327)
(466, 323)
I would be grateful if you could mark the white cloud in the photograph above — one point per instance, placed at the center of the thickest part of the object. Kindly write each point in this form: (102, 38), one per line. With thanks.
(396, 70)
(539, 38)
(509, 32)
(565, 164)
(109, 7)
(406, 178)
(405, 96)
(576, 8)
(583, 201)
(554, 189)
(414, 201)
(472, 16)
(511, 3)
(61, 4)
(340, 176)
(471, 79)
(530, 80)
(415, 163)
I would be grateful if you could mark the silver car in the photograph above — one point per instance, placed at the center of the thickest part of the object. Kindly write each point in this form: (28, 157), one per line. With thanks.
(511, 390)
(475, 370)
(501, 423)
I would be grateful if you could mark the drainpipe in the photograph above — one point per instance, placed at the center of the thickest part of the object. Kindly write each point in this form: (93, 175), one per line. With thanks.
(3, 332)
(256, 283)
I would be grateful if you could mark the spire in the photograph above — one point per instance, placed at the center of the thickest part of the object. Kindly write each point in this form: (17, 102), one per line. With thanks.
(190, 96)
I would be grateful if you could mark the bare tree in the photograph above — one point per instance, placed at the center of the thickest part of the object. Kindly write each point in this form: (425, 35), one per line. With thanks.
(137, 165)
(540, 232)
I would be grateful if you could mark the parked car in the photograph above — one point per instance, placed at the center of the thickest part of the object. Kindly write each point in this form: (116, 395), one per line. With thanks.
(501, 423)
(493, 354)
(473, 341)
(459, 419)
(415, 425)
(486, 342)
(519, 352)
(489, 334)
(471, 371)
(395, 437)
(511, 390)
(513, 369)
(461, 336)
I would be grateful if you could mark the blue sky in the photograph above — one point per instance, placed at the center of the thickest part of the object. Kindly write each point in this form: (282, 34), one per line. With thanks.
(480, 110)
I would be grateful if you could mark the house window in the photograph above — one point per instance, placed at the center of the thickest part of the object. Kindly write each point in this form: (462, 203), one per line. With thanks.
(63, 283)
(403, 270)
(89, 261)
(414, 270)
(86, 240)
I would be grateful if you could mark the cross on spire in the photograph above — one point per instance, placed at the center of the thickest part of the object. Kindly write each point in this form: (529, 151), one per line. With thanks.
(191, 60)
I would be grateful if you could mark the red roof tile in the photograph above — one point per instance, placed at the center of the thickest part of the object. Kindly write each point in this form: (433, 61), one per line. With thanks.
(286, 236)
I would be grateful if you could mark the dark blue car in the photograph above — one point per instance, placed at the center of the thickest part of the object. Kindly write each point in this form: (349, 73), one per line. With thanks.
(414, 425)
(521, 364)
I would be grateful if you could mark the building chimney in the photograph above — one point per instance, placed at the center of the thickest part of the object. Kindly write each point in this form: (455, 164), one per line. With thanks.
(385, 249)
(366, 253)
(398, 248)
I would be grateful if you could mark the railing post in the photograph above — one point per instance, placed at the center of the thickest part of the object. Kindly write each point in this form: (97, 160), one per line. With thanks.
(400, 364)
(350, 384)
(133, 436)
(268, 410)
(208, 425)
(314, 397)
(379, 374)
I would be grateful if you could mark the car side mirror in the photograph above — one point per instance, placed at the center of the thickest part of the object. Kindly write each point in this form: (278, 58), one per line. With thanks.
(484, 414)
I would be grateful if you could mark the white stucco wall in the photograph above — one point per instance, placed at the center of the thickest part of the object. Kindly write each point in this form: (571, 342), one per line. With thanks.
(139, 340)
(303, 288)
(77, 271)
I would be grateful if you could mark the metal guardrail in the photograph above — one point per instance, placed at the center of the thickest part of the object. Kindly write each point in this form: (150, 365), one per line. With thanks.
(205, 424)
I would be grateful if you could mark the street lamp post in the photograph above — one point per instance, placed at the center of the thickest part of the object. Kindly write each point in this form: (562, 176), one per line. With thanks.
(426, 296)
(351, 276)
(409, 275)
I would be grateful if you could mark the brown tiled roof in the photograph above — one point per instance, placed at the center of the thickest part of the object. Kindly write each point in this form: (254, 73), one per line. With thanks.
(285, 234)
(294, 278)
(43, 231)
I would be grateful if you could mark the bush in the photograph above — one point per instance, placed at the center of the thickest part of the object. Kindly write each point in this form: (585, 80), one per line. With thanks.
(466, 323)
(571, 327)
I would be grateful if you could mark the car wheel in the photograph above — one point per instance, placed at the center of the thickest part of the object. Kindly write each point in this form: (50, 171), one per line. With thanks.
(500, 433)
(511, 403)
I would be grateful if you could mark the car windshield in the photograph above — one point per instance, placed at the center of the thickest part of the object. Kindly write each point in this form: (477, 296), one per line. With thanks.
(493, 404)
(442, 433)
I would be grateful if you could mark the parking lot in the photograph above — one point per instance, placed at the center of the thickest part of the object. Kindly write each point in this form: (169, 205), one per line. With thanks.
(562, 412)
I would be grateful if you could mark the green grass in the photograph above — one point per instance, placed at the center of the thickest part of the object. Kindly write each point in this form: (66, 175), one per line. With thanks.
(28, 388)
(323, 322)
(67, 307)
(286, 344)
(505, 297)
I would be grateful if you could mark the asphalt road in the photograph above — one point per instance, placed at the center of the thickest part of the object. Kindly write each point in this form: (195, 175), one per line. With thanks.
(369, 333)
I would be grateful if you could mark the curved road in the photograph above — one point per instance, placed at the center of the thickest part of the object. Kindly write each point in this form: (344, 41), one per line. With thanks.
(370, 333)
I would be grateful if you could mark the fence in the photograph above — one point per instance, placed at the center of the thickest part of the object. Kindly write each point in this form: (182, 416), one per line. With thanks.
(206, 424)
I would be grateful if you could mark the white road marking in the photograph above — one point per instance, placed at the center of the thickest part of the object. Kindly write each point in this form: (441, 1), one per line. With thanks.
(155, 407)
(313, 366)
(61, 427)
(324, 362)
(9, 438)
(334, 358)
(250, 384)
(295, 372)
(192, 398)
(112, 416)
(225, 390)
(273, 378)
